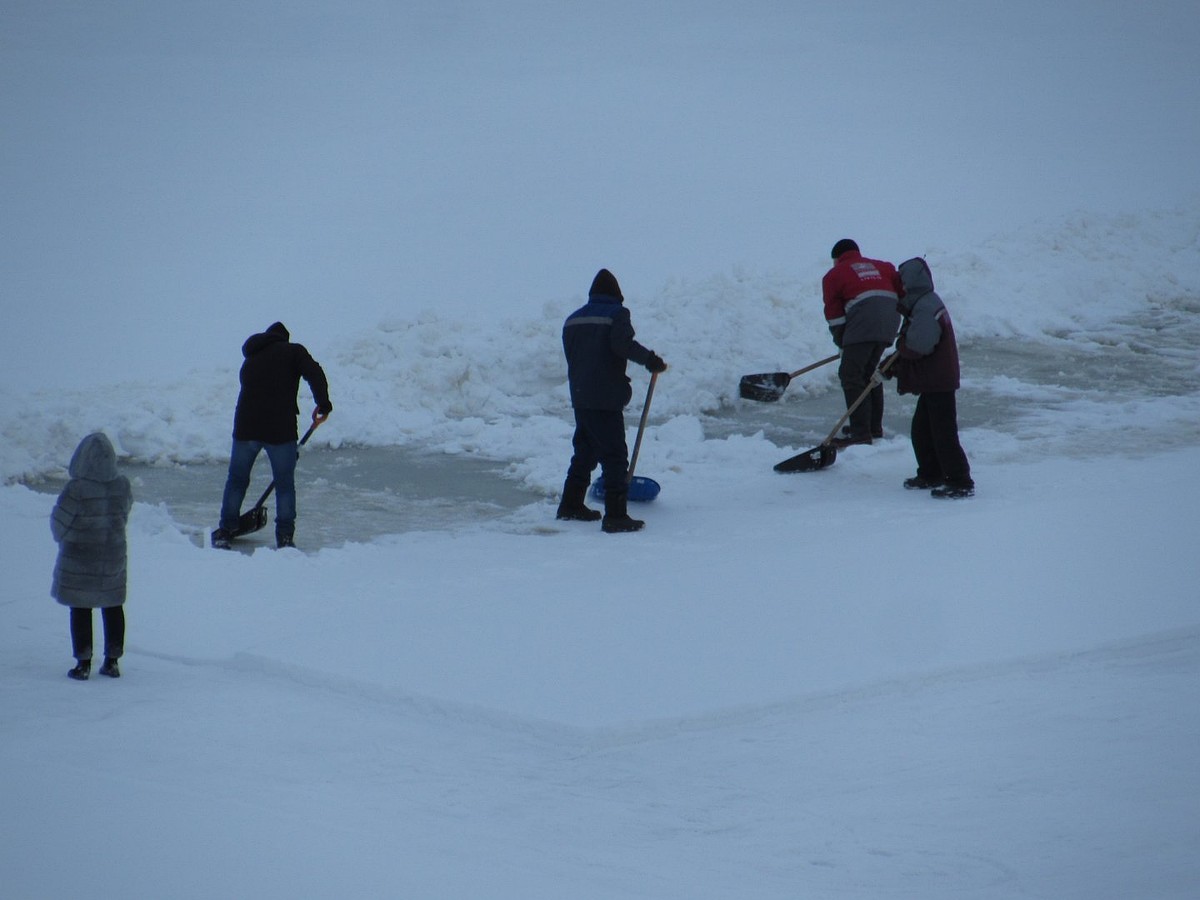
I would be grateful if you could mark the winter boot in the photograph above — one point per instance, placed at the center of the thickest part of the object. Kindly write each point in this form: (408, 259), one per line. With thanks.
(951, 491)
(876, 433)
(616, 516)
(572, 505)
(921, 483)
(284, 539)
(83, 668)
(222, 539)
(850, 440)
(110, 667)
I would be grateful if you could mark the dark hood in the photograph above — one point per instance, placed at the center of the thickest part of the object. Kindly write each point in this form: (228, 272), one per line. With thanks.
(605, 285)
(94, 459)
(275, 334)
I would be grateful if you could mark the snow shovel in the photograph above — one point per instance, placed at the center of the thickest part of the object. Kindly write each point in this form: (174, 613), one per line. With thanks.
(825, 454)
(769, 386)
(255, 519)
(641, 490)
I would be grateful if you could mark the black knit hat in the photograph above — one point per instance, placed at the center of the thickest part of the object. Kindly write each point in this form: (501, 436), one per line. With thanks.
(845, 245)
(605, 284)
(278, 328)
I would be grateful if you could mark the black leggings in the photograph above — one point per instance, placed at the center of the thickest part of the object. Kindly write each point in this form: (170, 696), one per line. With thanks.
(114, 631)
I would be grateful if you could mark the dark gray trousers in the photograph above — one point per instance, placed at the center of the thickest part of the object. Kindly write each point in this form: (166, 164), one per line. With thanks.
(599, 440)
(859, 362)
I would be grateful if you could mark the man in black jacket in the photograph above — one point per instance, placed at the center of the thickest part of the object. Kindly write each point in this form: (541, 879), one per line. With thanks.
(265, 419)
(598, 339)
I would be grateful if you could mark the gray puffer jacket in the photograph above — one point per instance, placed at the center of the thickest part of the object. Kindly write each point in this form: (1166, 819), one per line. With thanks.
(88, 523)
(928, 351)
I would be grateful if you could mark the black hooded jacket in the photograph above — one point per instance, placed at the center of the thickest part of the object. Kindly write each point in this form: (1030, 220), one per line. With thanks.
(270, 376)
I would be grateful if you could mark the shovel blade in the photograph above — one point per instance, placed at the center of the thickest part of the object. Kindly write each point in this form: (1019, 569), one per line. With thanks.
(765, 387)
(821, 457)
(251, 521)
(641, 490)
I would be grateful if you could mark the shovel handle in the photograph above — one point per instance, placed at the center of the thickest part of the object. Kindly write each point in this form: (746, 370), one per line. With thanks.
(815, 365)
(876, 379)
(316, 423)
(317, 420)
(637, 444)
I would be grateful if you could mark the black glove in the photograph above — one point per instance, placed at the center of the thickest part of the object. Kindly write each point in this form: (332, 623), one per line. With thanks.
(655, 363)
(837, 331)
(888, 367)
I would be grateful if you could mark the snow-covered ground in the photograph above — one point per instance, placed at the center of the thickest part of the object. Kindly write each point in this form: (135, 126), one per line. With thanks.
(819, 686)
(815, 685)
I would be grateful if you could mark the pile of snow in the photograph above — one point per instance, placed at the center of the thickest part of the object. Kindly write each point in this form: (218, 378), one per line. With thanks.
(496, 385)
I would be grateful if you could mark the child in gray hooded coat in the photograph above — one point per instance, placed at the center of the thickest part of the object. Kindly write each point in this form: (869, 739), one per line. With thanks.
(927, 365)
(88, 523)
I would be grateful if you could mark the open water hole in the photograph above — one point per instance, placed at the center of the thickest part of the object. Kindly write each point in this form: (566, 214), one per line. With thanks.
(355, 494)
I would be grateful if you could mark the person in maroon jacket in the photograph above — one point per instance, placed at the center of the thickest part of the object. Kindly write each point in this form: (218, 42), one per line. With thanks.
(926, 364)
(265, 419)
(860, 308)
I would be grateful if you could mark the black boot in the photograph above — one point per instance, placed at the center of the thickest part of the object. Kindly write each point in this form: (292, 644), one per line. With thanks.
(110, 667)
(83, 668)
(572, 505)
(284, 539)
(616, 516)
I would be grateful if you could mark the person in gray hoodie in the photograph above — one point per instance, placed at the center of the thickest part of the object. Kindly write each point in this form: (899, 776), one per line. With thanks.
(926, 364)
(88, 523)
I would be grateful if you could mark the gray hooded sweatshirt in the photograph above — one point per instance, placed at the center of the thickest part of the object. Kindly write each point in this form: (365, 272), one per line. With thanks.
(88, 523)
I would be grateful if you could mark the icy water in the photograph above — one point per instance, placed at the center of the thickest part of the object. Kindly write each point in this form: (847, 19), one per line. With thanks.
(1044, 394)
(1024, 388)
(343, 495)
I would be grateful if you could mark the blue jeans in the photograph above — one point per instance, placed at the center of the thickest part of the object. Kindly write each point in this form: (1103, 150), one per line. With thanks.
(283, 469)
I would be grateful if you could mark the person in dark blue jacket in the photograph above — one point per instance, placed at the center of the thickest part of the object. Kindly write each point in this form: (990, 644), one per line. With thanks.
(598, 340)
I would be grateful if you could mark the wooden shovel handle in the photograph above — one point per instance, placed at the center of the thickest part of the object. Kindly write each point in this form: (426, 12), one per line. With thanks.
(876, 379)
(815, 365)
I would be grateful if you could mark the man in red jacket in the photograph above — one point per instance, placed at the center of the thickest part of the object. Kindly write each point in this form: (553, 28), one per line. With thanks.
(860, 309)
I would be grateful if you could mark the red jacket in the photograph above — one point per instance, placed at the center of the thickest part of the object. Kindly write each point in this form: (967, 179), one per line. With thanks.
(860, 300)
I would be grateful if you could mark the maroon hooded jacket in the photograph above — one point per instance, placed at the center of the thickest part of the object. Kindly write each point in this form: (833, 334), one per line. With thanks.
(928, 360)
